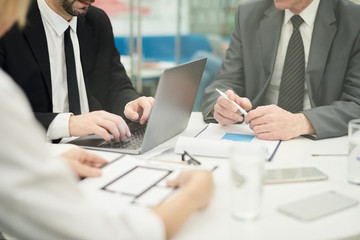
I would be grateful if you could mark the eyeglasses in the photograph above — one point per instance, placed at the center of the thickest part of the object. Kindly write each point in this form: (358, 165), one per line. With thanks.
(189, 159)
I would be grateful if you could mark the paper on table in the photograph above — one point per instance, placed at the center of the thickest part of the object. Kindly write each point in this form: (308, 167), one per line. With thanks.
(203, 147)
(109, 156)
(216, 139)
(131, 180)
(137, 180)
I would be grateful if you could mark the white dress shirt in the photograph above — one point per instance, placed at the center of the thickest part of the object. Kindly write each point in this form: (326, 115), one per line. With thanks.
(39, 196)
(306, 30)
(55, 26)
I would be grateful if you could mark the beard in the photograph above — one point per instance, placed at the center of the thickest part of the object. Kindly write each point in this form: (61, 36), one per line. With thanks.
(68, 6)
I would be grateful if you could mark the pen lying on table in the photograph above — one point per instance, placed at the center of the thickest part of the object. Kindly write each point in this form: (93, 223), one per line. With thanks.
(329, 155)
(168, 161)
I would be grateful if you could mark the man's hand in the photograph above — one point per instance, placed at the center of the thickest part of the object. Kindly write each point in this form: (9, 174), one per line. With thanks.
(226, 113)
(198, 184)
(274, 123)
(100, 123)
(139, 109)
(84, 163)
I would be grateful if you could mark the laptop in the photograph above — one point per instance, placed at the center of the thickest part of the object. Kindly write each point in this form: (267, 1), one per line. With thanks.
(174, 100)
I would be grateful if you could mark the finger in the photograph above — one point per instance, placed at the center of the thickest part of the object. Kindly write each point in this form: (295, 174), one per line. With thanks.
(223, 120)
(177, 182)
(263, 128)
(268, 136)
(87, 171)
(93, 159)
(103, 133)
(131, 111)
(146, 107)
(245, 103)
(111, 127)
(231, 94)
(254, 114)
(226, 104)
(173, 183)
(121, 125)
(123, 128)
(131, 114)
(151, 100)
(225, 116)
(259, 121)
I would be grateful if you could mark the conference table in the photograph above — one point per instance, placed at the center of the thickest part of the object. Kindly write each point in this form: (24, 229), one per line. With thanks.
(216, 221)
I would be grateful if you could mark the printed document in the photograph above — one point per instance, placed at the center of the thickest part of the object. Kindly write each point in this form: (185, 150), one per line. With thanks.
(239, 133)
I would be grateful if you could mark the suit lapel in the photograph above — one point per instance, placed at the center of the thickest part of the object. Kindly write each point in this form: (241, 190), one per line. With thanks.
(35, 34)
(270, 30)
(323, 35)
(87, 45)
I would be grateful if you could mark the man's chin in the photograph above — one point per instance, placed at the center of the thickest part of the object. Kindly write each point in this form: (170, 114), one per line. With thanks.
(81, 11)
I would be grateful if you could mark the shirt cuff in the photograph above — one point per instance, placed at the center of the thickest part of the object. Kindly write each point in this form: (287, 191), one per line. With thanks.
(145, 223)
(59, 127)
(209, 116)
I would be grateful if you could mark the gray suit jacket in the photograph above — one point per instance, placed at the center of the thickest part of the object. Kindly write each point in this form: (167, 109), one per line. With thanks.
(332, 74)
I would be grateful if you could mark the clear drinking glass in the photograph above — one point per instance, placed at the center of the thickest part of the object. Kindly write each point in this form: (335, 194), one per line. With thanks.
(246, 172)
(354, 152)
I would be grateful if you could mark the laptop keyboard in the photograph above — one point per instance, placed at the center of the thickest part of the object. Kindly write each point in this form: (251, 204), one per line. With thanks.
(133, 142)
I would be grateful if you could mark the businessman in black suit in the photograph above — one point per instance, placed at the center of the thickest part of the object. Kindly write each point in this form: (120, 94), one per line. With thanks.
(37, 58)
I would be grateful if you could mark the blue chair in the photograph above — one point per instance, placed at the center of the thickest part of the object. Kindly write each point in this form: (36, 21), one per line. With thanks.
(162, 48)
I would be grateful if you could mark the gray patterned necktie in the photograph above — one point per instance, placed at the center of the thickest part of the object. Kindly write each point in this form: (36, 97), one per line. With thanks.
(291, 94)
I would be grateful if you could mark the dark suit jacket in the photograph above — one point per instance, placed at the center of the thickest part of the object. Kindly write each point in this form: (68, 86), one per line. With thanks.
(24, 56)
(333, 70)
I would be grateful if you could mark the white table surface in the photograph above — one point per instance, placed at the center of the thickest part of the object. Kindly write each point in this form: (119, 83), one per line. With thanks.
(216, 222)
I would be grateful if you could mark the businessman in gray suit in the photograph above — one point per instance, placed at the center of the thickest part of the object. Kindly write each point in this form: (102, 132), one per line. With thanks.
(294, 65)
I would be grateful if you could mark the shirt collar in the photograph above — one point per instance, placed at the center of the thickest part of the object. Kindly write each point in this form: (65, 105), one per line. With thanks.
(308, 14)
(58, 23)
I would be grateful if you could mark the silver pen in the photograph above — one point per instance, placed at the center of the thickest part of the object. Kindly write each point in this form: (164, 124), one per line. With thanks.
(234, 103)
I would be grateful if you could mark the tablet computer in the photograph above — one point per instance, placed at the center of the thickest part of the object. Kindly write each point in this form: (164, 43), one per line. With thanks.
(318, 206)
(290, 175)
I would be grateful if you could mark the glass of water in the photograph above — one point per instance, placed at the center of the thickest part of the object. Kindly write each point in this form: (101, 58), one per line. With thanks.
(354, 152)
(246, 173)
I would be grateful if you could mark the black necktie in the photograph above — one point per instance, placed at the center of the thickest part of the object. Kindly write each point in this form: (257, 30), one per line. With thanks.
(291, 94)
(73, 90)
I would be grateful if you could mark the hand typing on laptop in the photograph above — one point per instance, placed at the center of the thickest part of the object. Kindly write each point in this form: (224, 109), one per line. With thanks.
(101, 123)
(108, 126)
(139, 109)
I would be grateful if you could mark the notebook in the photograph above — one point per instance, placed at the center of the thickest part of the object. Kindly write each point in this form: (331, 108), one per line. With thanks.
(174, 100)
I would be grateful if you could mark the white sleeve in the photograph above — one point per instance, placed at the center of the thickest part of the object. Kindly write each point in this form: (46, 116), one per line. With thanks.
(59, 127)
(39, 196)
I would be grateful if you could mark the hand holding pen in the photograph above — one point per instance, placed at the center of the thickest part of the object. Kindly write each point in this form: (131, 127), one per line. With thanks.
(233, 103)
(227, 109)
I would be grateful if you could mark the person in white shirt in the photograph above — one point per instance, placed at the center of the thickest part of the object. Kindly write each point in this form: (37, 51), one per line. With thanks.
(39, 195)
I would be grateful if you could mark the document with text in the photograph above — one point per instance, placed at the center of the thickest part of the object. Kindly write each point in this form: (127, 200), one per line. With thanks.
(214, 134)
